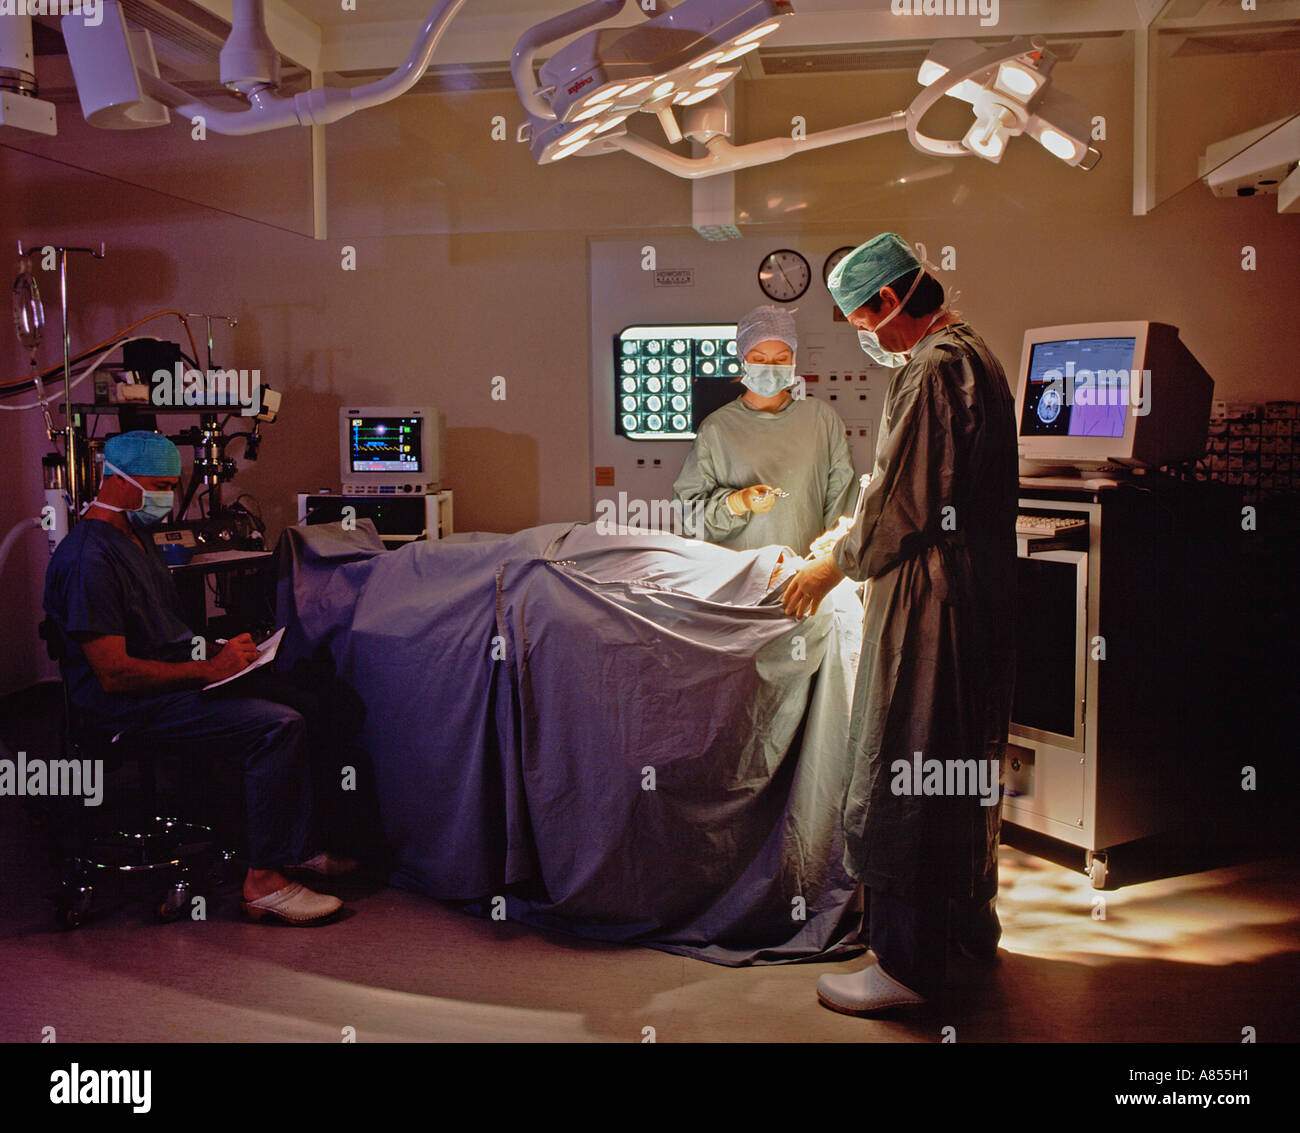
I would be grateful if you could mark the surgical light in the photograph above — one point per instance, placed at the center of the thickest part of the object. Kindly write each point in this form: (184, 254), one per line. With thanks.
(1057, 143)
(737, 52)
(988, 138)
(1008, 90)
(668, 59)
(929, 72)
(708, 60)
(1018, 81)
(757, 33)
(719, 78)
(676, 64)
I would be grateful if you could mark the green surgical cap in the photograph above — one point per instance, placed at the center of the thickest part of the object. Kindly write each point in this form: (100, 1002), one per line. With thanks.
(142, 453)
(868, 268)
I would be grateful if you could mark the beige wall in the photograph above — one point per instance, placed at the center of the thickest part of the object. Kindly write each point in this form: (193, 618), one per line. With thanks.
(472, 263)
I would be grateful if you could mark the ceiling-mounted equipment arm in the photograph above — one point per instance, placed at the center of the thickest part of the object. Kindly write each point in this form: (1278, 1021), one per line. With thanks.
(723, 157)
(522, 68)
(112, 85)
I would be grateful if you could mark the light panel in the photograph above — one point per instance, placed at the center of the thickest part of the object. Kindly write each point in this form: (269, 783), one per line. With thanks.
(658, 372)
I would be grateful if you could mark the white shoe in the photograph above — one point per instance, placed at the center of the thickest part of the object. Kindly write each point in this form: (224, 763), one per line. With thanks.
(294, 904)
(860, 993)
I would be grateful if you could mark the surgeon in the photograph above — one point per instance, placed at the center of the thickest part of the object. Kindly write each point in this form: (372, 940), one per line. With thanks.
(934, 541)
(768, 468)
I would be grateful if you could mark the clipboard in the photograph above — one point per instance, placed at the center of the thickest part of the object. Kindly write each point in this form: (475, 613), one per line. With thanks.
(265, 655)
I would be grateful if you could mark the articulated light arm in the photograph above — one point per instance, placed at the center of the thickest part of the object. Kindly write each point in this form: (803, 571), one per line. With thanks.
(522, 68)
(723, 157)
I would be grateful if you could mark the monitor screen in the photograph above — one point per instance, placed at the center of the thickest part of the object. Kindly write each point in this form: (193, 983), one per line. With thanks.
(384, 444)
(1078, 387)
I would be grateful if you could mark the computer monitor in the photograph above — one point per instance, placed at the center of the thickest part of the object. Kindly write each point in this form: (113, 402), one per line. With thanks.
(1094, 396)
(389, 450)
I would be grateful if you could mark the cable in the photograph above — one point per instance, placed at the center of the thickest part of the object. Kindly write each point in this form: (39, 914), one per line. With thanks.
(82, 375)
(15, 390)
(15, 532)
(54, 371)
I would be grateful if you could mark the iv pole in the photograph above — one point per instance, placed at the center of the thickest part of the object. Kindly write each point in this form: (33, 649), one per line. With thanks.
(71, 468)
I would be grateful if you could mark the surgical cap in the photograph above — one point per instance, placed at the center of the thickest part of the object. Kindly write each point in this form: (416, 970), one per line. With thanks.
(142, 453)
(765, 324)
(868, 268)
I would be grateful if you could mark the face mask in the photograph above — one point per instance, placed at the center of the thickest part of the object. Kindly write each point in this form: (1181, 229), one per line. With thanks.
(767, 381)
(871, 343)
(154, 506)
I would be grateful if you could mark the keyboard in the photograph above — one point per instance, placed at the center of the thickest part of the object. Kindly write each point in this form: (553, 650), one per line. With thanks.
(1046, 526)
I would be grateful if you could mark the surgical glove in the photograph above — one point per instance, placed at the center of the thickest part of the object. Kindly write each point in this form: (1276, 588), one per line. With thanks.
(824, 544)
(759, 499)
(814, 581)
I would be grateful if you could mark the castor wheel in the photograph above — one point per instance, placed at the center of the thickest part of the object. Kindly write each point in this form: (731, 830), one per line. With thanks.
(172, 906)
(72, 905)
(1097, 869)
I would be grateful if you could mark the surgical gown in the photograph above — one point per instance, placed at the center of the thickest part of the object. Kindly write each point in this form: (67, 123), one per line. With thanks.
(800, 449)
(935, 544)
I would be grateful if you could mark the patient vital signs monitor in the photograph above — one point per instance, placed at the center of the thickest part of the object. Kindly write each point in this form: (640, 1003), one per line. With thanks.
(1099, 395)
(389, 450)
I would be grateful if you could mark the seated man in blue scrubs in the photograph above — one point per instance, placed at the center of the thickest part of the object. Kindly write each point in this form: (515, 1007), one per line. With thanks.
(127, 663)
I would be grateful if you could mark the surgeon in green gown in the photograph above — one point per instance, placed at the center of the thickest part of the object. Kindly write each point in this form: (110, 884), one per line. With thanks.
(934, 541)
(769, 468)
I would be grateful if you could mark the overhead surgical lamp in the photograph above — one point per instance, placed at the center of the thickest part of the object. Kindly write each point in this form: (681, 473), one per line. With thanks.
(120, 88)
(675, 65)
(682, 56)
(1007, 88)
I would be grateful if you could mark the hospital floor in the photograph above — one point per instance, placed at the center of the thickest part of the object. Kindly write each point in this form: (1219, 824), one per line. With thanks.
(1190, 958)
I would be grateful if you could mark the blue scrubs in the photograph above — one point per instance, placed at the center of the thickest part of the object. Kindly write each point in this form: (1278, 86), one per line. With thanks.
(102, 582)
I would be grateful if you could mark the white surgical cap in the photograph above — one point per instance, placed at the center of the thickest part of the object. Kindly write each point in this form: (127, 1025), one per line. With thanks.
(765, 324)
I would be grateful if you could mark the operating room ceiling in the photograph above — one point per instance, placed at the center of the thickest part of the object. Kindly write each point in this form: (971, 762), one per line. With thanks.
(486, 30)
(320, 41)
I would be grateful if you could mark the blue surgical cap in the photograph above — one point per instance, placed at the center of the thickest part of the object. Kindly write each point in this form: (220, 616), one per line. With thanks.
(765, 324)
(142, 453)
(868, 268)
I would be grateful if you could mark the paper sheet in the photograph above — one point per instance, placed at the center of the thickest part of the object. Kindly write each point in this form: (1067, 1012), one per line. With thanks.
(265, 655)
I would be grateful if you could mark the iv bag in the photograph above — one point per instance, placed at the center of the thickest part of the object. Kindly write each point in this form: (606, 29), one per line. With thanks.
(29, 311)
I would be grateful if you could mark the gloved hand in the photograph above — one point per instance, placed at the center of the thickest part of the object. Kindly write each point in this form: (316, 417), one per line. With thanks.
(759, 499)
(805, 591)
(824, 544)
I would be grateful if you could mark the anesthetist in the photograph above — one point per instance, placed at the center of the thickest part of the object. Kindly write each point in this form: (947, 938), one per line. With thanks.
(129, 666)
(770, 467)
(934, 540)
